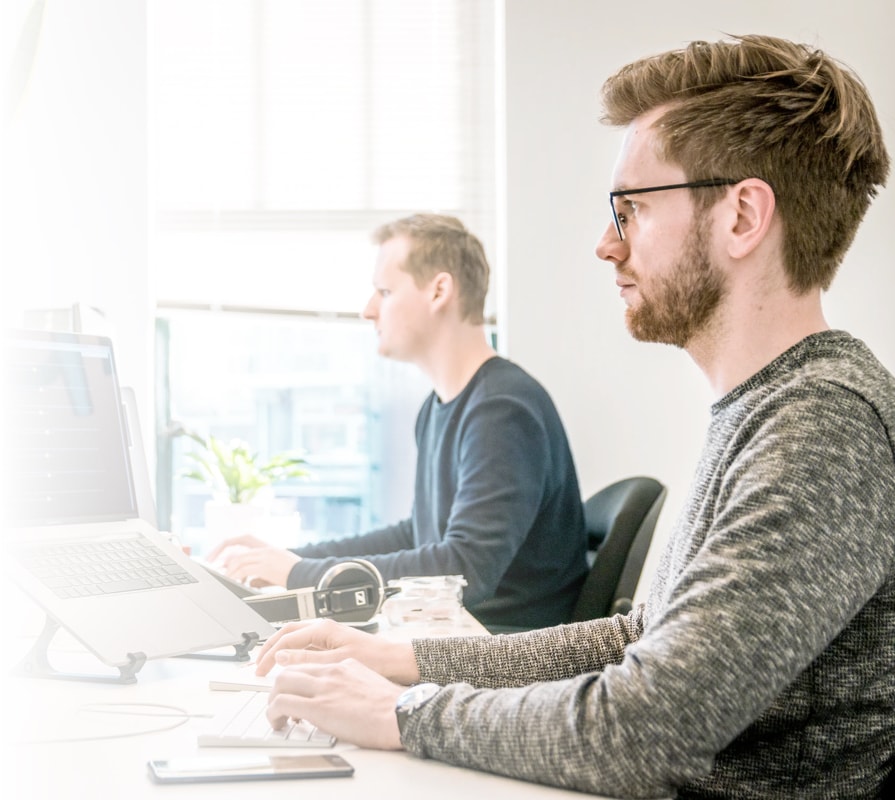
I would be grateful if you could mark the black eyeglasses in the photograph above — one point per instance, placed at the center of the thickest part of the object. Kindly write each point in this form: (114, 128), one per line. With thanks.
(693, 185)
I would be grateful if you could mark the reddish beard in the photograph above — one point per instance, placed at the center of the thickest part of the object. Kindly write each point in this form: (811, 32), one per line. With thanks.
(676, 306)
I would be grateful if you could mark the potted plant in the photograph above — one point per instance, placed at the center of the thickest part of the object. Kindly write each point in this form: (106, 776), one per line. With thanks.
(234, 472)
(240, 482)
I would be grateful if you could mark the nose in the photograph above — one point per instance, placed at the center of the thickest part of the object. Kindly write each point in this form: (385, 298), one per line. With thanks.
(610, 247)
(369, 311)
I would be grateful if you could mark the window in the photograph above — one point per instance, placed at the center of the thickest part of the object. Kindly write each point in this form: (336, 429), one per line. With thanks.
(283, 132)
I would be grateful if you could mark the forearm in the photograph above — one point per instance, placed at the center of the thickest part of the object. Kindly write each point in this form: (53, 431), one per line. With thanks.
(544, 734)
(685, 690)
(519, 659)
(443, 558)
(382, 540)
(318, 558)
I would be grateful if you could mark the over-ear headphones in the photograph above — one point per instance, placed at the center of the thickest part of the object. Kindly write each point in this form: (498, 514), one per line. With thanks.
(350, 591)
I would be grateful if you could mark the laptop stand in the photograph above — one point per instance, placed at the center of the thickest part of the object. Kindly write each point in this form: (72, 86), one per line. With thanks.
(36, 663)
(249, 640)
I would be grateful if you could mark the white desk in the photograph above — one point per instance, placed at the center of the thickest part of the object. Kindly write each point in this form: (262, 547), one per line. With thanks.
(112, 766)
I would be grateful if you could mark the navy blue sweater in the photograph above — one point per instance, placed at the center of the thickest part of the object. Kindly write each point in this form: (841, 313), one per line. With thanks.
(496, 500)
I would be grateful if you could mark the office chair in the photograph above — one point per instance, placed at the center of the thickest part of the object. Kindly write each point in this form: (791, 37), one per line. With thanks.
(888, 787)
(620, 521)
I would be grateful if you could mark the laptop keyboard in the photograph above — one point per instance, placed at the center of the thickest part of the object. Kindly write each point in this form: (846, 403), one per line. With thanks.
(249, 727)
(102, 566)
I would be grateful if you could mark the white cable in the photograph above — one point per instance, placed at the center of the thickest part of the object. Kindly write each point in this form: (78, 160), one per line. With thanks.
(181, 716)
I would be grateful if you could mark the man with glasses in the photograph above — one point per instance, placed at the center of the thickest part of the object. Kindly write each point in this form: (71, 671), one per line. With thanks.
(763, 662)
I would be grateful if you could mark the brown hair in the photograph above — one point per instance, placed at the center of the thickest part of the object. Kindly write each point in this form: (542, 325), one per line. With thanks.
(440, 243)
(758, 106)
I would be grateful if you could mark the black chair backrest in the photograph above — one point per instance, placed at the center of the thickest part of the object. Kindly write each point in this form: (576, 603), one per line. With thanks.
(887, 790)
(620, 522)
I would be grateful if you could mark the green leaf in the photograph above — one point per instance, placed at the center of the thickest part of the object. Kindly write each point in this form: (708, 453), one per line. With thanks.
(233, 469)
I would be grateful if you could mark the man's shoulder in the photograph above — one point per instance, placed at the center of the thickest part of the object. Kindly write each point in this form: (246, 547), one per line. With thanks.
(501, 381)
(839, 363)
(499, 372)
(827, 382)
(821, 364)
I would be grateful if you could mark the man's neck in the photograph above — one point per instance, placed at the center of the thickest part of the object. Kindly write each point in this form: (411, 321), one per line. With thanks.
(739, 344)
(452, 363)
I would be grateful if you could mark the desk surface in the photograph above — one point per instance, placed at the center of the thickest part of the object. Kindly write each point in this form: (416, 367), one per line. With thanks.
(70, 739)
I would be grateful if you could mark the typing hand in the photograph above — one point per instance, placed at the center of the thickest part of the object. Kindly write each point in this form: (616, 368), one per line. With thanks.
(258, 566)
(324, 641)
(242, 542)
(345, 699)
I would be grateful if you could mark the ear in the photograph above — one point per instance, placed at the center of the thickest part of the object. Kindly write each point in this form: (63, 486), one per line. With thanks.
(751, 204)
(441, 290)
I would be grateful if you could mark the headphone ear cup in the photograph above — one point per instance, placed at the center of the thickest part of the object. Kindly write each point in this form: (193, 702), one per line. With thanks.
(355, 590)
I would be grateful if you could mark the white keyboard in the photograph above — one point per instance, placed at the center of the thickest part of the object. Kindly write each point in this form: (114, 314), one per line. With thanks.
(249, 727)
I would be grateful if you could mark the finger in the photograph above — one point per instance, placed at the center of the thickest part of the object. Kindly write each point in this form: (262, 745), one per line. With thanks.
(276, 636)
(217, 550)
(290, 635)
(307, 680)
(291, 694)
(283, 707)
(268, 659)
(238, 572)
(245, 540)
(243, 565)
(299, 648)
(233, 541)
(258, 567)
(264, 660)
(309, 656)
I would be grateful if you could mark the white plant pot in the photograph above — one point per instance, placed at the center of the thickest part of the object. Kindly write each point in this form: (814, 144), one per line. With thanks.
(224, 520)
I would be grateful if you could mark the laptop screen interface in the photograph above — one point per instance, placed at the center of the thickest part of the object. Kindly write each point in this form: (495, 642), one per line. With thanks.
(65, 432)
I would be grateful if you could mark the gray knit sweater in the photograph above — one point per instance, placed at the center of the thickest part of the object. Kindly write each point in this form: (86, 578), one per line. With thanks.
(763, 662)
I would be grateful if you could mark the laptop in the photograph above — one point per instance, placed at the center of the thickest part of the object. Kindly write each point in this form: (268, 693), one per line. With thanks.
(75, 542)
(137, 458)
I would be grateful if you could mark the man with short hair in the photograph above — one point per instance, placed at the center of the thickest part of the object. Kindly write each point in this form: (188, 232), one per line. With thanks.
(496, 495)
(763, 661)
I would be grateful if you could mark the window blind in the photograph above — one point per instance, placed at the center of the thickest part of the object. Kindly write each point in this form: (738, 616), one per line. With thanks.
(284, 131)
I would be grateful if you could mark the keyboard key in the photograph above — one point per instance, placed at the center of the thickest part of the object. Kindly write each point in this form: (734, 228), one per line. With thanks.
(132, 585)
(79, 569)
(249, 727)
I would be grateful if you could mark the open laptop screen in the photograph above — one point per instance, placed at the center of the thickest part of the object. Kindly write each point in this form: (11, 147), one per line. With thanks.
(66, 441)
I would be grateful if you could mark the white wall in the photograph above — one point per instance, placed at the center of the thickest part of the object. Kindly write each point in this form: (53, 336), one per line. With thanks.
(634, 408)
(74, 221)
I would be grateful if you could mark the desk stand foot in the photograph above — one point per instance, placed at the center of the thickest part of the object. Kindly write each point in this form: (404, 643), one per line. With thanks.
(249, 640)
(37, 664)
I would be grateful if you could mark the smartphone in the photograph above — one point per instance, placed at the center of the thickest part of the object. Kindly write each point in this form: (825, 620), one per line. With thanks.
(201, 769)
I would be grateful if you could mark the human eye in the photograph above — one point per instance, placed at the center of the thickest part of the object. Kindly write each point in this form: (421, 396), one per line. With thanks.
(625, 210)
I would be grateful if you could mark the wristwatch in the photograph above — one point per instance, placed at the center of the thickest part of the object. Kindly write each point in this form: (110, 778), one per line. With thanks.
(412, 700)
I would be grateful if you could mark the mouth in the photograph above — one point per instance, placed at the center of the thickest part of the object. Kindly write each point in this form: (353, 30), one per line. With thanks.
(626, 286)
(624, 283)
